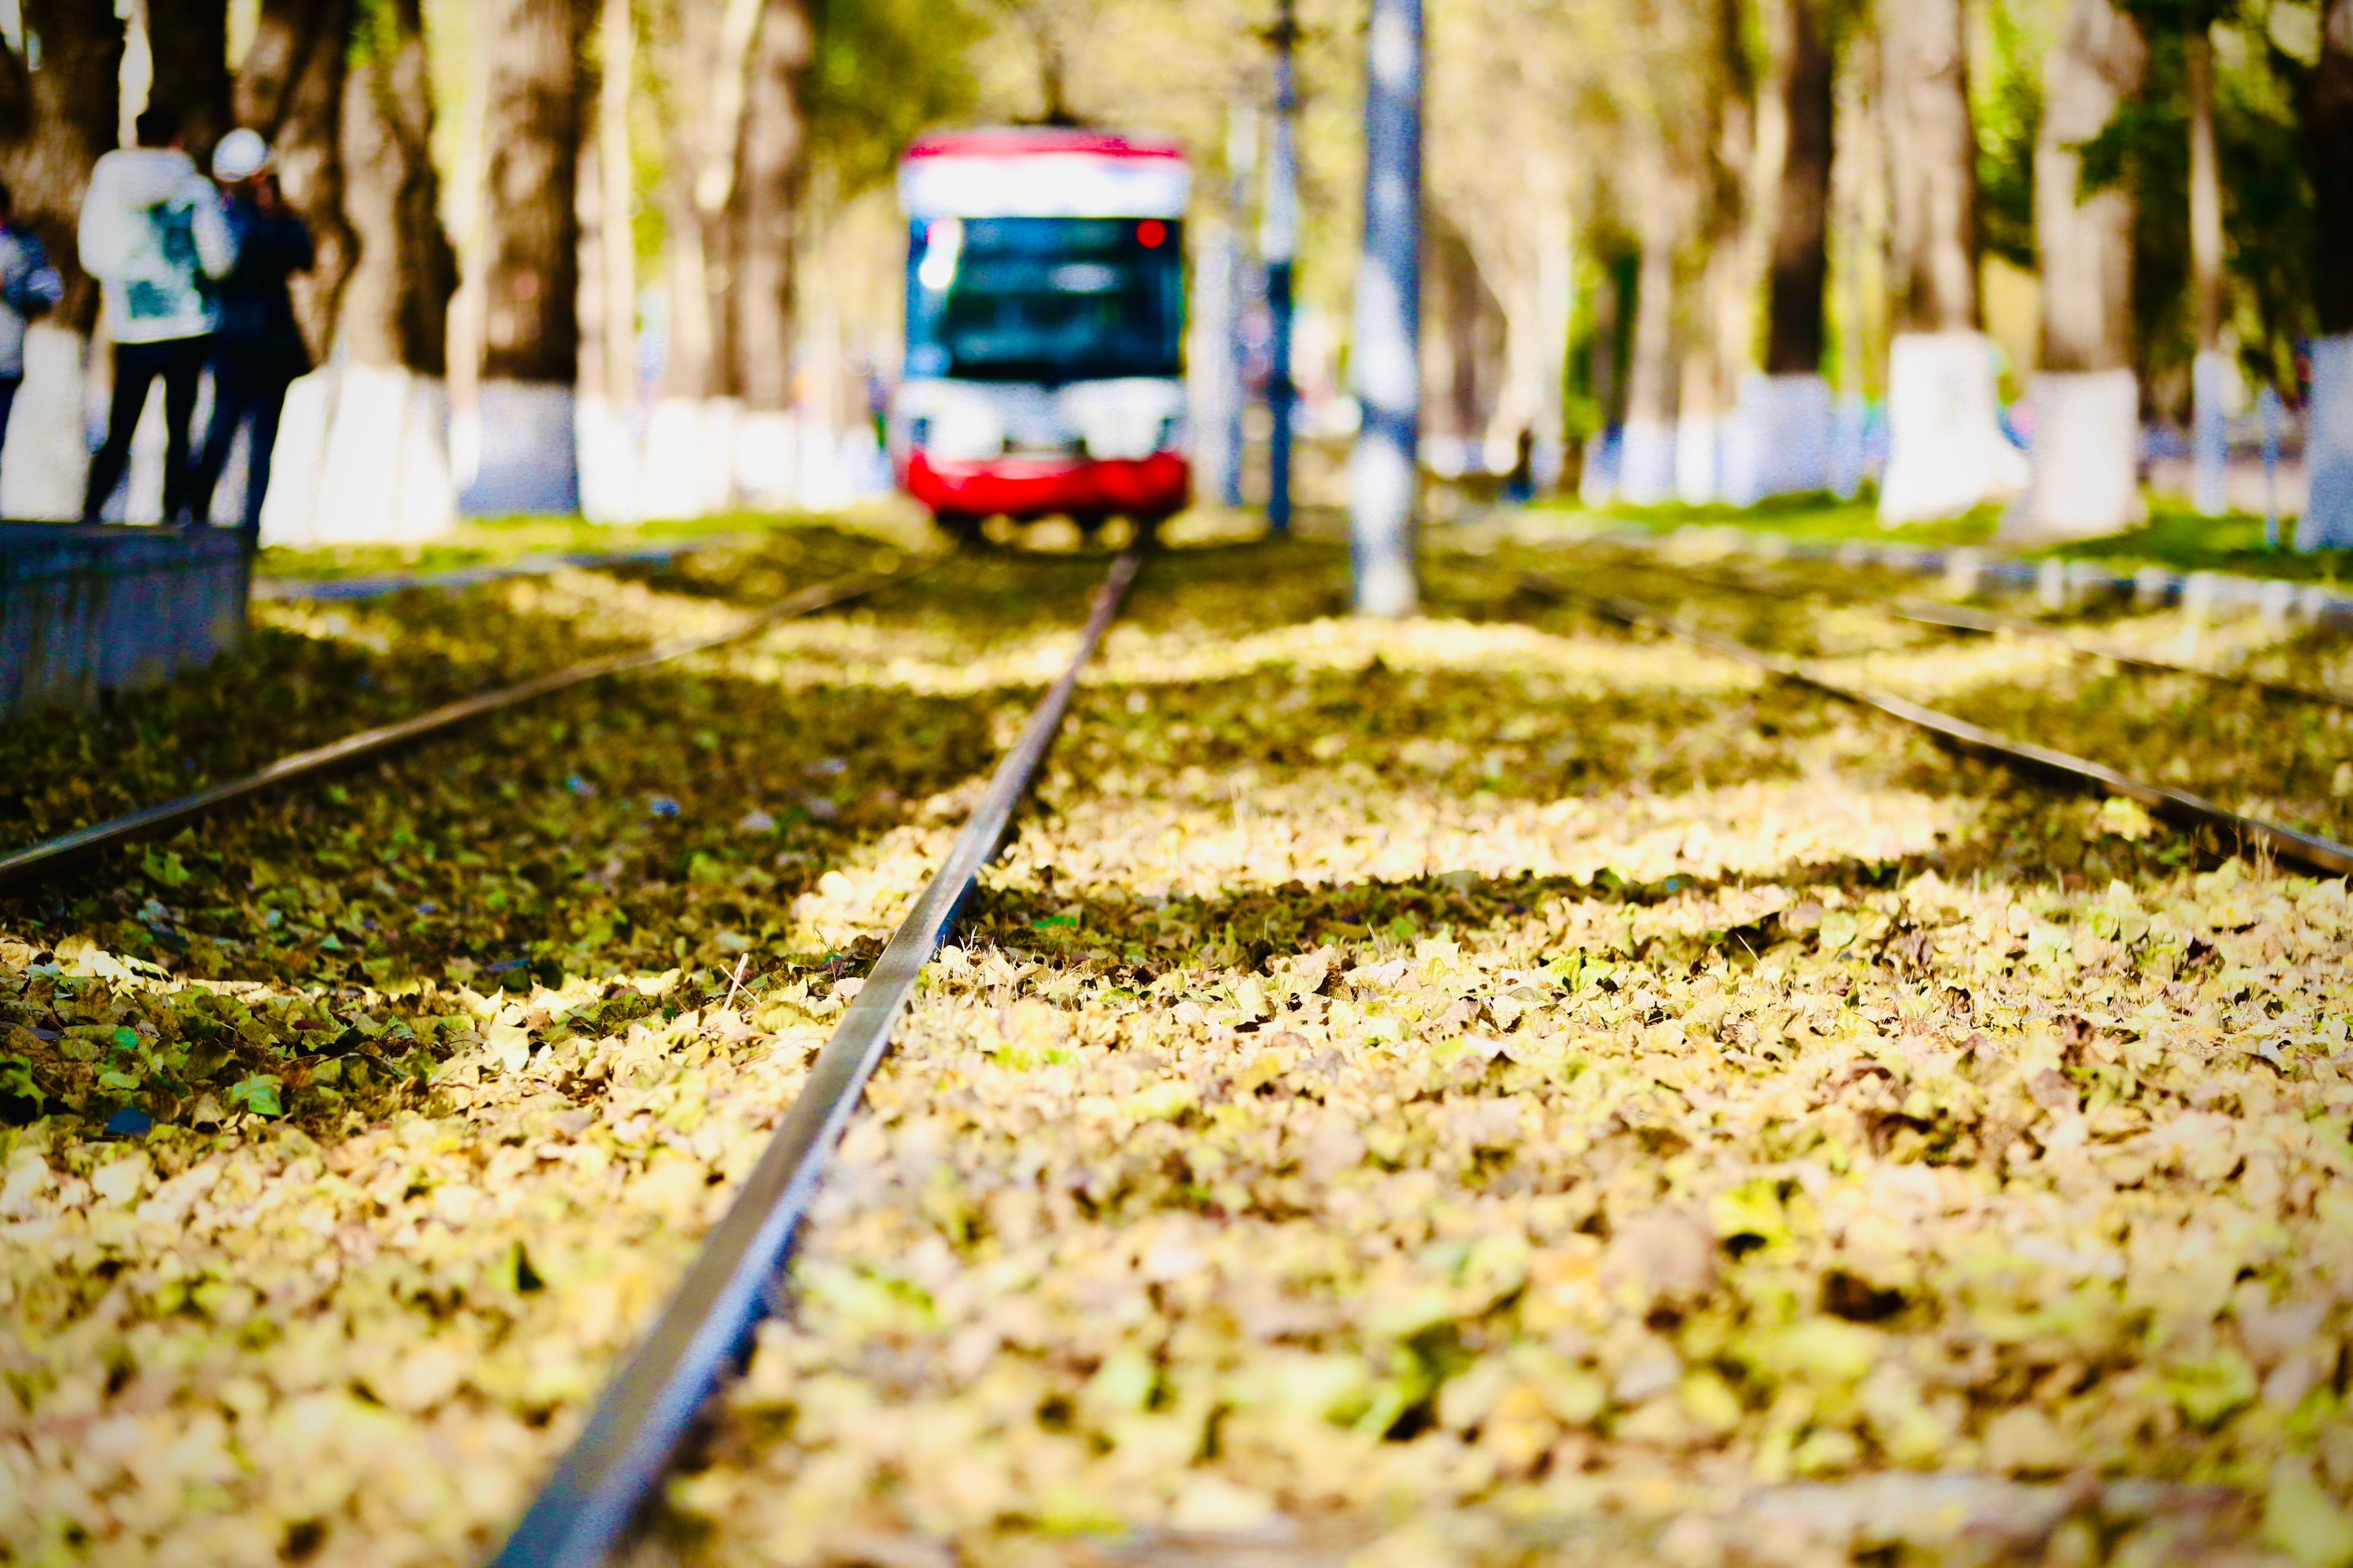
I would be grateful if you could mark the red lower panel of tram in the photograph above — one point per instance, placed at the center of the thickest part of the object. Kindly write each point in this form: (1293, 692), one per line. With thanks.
(1042, 487)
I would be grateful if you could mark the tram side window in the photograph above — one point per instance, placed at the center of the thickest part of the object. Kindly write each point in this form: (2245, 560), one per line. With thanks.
(1044, 298)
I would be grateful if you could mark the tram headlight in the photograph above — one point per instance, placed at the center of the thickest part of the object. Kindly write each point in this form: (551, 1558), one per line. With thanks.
(943, 243)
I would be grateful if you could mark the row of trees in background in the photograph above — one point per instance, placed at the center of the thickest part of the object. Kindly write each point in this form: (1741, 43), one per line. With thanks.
(1708, 225)
(1808, 191)
(1698, 238)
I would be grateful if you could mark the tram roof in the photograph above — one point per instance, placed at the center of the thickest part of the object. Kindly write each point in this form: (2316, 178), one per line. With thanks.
(1027, 172)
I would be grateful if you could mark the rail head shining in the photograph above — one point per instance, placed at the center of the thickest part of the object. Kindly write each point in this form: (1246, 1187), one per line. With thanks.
(646, 1412)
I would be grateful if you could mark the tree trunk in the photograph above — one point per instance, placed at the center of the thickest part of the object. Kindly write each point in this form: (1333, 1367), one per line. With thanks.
(364, 453)
(691, 439)
(770, 173)
(1795, 335)
(690, 368)
(1721, 138)
(530, 227)
(1608, 384)
(2205, 195)
(1646, 472)
(188, 41)
(609, 479)
(2087, 405)
(290, 88)
(1556, 313)
(54, 125)
(396, 307)
(2328, 133)
(615, 201)
(2327, 521)
(1858, 179)
(2085, 242)
(712, 47)
(689, 357)
(1947, 453)
(58, 121)
(1599, 463)
(2209, 439)
(1785, 431)
(526, 446)
(1932, 150)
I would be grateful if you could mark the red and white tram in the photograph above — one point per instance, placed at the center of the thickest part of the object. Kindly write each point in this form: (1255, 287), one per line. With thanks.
(1045, 326)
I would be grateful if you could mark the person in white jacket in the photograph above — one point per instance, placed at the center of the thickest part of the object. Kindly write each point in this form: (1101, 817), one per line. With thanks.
(154, 235)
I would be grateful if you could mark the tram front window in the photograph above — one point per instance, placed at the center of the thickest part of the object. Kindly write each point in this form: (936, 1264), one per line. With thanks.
(1044, 298)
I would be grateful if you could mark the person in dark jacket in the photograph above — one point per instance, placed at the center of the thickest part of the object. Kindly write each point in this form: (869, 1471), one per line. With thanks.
(29, 288)
(258, 348)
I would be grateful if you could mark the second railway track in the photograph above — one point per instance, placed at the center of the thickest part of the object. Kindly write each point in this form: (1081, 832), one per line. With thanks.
(2310, 850)
(2042, 727)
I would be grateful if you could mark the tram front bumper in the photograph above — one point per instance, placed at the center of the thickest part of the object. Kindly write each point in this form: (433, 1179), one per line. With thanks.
(1154, 486)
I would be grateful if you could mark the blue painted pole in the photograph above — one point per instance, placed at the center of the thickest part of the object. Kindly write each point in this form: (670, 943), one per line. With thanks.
(1279, 241)
(1384, 473)
(1233, 383)
(2268, 400)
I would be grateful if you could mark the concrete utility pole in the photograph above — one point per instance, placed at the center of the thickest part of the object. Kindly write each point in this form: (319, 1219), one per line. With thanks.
(1384, 474)
(1278, 239)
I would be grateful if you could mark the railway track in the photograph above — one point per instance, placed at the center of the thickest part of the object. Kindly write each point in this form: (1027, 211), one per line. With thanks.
(2304, 848)
(1967, 618)
(647, 1413)
(1955, 618)
(2184, 806)
(48, 858)
(1455, 1092)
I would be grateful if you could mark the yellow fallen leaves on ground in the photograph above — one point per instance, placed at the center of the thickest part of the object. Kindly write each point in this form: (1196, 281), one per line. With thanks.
(1509, 1095)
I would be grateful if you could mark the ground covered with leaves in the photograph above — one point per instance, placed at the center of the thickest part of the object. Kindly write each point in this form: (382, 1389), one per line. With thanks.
(1493, 1090)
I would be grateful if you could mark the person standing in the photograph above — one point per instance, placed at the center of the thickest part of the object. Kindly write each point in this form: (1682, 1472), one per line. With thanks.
(257, 349)
(29, 288)
(154, 235)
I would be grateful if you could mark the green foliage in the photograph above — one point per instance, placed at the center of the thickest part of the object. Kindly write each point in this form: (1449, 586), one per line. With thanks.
(2266, 206)
(258, 1094)
(2177, 537)
(16, 1084)
(378, 29)
(885, 71)
(1594, 402)
(2007, 110)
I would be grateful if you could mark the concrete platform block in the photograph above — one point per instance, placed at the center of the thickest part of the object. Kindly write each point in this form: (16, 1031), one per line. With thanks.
(87, 609)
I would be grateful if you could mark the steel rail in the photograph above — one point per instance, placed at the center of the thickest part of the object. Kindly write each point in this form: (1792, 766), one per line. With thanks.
(2287, 843)
(36, 861)
(1956, 617)
(645, 1414)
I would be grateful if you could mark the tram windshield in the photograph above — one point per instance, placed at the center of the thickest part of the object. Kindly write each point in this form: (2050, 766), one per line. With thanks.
(1044, 298)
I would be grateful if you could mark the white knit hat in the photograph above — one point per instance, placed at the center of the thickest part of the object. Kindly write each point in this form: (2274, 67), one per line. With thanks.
(240, 156)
